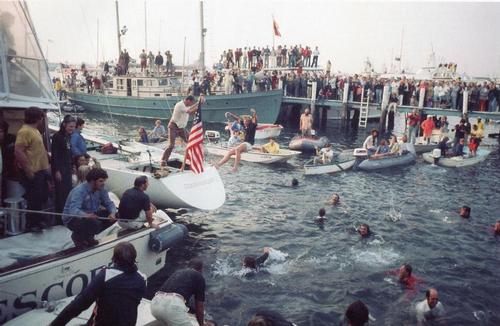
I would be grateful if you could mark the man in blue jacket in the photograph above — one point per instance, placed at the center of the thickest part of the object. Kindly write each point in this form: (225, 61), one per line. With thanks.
(78, 145)
(117, 292)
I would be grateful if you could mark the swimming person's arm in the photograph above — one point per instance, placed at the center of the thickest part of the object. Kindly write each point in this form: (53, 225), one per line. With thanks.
(259, 261)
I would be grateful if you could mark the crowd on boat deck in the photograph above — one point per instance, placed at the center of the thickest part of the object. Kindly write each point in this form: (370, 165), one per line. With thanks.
(69, 178)
(257, 58)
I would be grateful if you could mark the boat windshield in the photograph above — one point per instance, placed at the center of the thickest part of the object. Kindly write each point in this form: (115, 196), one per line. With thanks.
(24, 78)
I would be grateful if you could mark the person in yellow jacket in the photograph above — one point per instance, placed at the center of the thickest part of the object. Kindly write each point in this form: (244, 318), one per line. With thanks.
(272, 147)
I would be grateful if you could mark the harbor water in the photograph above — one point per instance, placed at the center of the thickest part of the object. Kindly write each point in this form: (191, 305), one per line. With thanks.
(316, 271)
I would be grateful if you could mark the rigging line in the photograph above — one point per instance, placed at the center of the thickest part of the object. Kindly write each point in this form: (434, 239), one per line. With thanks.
(88, 30)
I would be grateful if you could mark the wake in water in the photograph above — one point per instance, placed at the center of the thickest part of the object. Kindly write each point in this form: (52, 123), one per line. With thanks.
(394, 214)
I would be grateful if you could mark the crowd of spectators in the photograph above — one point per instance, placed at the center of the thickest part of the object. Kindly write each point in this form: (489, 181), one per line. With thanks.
(257, 58)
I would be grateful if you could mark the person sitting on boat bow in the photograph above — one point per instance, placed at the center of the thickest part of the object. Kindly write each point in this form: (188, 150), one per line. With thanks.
(325, 155)
(382, 150)
(250, 127)
(82, 212)
(406, 147)
(143, 135)
(371, 142)
(178, 122)
(132, 204)
(458, 150)
(158, 134)
(393, 145)
(272, 147)
(117, 290)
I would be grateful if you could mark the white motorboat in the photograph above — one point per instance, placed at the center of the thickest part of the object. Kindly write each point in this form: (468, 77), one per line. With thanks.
(54, 269)
(255, 155)
(45, 315)
(267, 130)
(169, 187)
(456, 161)
(339, 164)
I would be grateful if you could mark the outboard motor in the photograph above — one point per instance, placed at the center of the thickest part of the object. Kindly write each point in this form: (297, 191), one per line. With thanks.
(212, 136)
(360, 154)
(436, 155)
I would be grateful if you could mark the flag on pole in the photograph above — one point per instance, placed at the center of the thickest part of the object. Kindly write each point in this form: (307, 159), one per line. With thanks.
(276, 28)
(194, 149)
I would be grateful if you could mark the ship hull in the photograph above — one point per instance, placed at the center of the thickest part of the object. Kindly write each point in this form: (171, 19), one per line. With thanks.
(267, 105)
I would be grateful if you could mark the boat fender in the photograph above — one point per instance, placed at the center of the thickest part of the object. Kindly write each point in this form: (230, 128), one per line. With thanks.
(166, 237)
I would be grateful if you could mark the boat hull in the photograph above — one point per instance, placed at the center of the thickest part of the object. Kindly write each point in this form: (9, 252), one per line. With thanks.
(177, 190)
(334, 167)
(387, 162)
(25, 288)
(458, 161)
(267, 105)
(254, 156)
(307, 144)
(266, 130)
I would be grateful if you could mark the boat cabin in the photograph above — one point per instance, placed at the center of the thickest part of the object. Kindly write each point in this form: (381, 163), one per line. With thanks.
(138, 86)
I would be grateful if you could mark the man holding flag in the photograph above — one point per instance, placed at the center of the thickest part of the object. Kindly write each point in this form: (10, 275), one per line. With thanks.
(178, 122)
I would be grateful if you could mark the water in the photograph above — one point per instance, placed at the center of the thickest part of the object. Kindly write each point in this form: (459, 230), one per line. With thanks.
(316, 271)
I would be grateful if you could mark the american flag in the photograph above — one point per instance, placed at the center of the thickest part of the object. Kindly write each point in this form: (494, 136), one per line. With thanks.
(194, 149)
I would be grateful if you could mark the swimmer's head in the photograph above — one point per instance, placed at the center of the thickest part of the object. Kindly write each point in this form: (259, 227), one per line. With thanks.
(295, 182)
(335, 199)
(357, 314)
(364, 230)
(405, 272)
(249, 262)
(496, 228)
(432, 297)
(465, 211)
(321, 212)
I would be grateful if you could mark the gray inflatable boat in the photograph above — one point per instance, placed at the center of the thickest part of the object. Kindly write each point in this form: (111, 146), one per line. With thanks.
(370, 164)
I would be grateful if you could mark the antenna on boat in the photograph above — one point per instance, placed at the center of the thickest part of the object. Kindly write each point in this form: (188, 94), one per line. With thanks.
(401, 50)
(145, 28)
(118, 29)
(203, 32)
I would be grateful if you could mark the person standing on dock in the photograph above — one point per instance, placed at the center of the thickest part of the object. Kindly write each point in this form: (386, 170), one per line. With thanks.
(315, 59)
(178, 122)
(143, 58)
(117, 291)
(33, 161)
(169, 303)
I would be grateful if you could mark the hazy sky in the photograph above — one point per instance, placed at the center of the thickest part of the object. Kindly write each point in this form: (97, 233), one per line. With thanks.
(346, 32)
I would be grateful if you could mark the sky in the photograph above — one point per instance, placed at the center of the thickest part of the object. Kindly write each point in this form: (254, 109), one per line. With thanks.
(346, 32)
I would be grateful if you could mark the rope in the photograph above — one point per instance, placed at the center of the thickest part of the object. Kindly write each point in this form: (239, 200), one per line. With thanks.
(59, 214)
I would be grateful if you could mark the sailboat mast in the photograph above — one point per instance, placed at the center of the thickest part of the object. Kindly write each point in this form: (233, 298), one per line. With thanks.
(401, 51)
(118, 29)
(203, 31)
(145, 28)
(97, 53)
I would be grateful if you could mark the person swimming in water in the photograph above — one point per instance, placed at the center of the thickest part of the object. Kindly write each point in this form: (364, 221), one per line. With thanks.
(406, 278)
(334, 200)
(364, 230)
(496, 228)
(321, 215)
(295, 182)
(465, 211)
(255, 263)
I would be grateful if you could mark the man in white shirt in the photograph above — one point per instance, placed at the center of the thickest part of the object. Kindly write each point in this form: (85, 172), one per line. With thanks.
(178, 122)
(429, 309)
